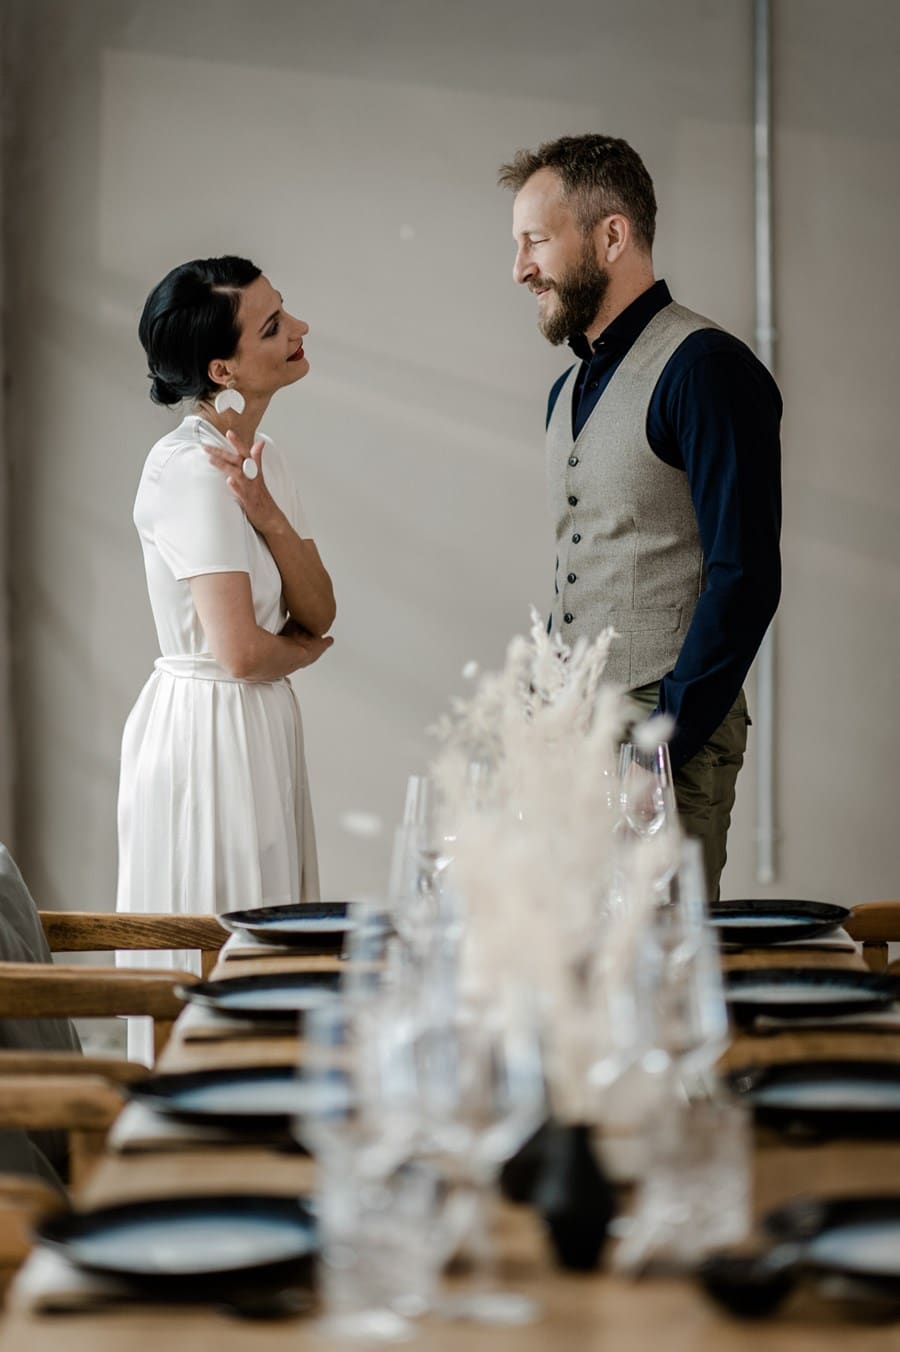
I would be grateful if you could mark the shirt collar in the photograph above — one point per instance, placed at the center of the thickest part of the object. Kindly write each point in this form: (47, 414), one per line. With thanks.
(622, 331)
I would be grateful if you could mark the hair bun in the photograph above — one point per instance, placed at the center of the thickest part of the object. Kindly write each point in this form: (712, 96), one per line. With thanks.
(161, 392)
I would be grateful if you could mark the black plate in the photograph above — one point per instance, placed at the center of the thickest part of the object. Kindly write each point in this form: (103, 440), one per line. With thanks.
(825, 1098)
(807, 992)
(319, 927)
(858, 1237)
(258, 1098)
(281, 998)
(757, 924)
(192, 1246)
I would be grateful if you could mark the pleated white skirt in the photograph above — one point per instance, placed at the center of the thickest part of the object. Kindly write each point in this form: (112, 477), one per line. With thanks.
(214, 811)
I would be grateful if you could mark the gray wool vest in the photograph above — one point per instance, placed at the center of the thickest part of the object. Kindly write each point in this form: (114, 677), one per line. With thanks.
(628, 549)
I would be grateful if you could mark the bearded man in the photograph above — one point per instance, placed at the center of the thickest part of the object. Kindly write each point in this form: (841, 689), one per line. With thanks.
(663, 462)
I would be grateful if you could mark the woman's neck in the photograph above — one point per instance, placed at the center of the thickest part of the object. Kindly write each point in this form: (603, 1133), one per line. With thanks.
(244, 425)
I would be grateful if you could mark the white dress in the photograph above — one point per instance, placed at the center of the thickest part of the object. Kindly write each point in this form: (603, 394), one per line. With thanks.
(214, 812)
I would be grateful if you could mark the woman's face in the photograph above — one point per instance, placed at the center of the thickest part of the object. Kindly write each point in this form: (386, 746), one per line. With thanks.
(270, 351)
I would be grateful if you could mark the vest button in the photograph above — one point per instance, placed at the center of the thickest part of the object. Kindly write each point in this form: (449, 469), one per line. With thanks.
(573, 502)
(594, 385)
(568, 617)
(576, 538)
(573, 460)
(571, 578)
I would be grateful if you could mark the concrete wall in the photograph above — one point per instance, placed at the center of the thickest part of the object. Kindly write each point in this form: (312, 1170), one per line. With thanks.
(351, 148)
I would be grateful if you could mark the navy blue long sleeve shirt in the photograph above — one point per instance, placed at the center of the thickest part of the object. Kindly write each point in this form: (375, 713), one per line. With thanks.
(715, 414)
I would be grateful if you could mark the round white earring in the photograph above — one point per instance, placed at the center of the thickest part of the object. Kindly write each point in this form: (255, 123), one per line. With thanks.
(227, 399)
(249, 468)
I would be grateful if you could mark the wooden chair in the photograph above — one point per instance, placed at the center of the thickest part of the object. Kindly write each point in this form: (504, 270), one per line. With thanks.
(54, 1091)
(876, 924)
(103, 932)
(31, 990)
(85, 1106)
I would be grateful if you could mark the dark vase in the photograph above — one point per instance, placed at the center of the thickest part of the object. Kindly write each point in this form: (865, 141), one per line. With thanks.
(573, 1195)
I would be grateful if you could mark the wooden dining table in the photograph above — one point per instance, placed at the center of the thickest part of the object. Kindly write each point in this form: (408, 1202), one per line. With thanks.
(579, 1312)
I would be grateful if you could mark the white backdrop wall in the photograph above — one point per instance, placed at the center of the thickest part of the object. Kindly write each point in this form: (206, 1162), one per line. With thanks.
(351, 148)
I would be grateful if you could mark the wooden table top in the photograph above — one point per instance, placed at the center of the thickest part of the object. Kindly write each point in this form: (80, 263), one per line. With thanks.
(580, 1313)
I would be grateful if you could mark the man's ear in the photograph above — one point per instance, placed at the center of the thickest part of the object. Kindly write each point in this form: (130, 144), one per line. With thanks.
(613, 235)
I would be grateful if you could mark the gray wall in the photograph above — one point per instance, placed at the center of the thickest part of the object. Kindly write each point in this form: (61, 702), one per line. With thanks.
(6, 720)
(351, 148)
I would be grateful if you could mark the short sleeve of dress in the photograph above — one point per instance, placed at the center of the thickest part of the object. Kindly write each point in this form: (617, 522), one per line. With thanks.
(198, 526)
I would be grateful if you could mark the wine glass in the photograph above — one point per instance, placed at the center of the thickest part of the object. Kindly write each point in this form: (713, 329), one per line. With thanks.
(647, 790)
(423, 851)
(480, 1081)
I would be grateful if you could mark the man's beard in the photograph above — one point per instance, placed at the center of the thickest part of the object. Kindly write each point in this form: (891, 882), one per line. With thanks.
(579, 295)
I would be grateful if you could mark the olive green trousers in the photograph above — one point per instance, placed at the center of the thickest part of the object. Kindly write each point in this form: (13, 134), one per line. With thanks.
(705, 785)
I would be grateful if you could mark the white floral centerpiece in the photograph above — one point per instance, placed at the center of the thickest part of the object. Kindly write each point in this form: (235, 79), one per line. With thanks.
(528, 774)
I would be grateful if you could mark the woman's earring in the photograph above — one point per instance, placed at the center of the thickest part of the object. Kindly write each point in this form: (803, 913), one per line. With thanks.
(227, 399)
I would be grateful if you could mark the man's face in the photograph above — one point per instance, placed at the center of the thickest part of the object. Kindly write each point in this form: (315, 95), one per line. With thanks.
(555, 259)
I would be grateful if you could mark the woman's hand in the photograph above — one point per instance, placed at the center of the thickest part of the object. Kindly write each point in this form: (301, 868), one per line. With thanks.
(259, 506)
(308, 647)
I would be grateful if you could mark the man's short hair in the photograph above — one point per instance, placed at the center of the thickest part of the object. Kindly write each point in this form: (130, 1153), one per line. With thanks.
(601, 176)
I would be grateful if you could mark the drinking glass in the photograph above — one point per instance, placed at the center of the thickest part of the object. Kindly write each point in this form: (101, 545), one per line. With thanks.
(684, 992)
(647, 790)
(480, 1083)
(377, 1201)
(423, 851)
(695, 1190)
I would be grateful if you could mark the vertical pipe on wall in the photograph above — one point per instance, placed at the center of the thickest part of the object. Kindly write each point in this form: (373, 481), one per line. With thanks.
(765, 348)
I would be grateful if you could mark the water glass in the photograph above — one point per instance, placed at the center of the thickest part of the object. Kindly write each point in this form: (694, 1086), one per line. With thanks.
(695, 1195)
(377, 1200)
(680, 974)
(480, 1084)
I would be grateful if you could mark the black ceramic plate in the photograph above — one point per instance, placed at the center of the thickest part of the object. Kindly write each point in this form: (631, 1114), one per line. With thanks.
(281, 997)
(757, 924)
(319, 927)
(854, 1236)
(826, 1098)
(192, 1245)
(807, 992)
(260, 1098)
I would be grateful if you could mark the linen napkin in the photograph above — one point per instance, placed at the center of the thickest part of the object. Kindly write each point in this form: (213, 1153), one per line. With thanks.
(48, 1283)
(200, 1024)
(141, 1128)
(872, 1021)
(248, 946)
(242, 945)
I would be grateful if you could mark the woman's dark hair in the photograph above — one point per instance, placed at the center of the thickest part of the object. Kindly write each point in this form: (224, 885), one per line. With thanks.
(600, 175)
(188, 320)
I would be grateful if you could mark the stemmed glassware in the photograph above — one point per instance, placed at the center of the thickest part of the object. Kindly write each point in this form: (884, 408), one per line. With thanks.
(647, 790)
(423, 851)
(480, 1082)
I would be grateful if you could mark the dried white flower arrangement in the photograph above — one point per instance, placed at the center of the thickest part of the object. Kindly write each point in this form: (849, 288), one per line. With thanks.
(528, 774)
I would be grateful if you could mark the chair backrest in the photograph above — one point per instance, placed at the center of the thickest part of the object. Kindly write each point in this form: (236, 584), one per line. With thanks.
(22, 940)
(104, 931)
(876, 924)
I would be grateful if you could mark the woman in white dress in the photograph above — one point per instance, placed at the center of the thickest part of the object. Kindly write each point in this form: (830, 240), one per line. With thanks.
(214, 811)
